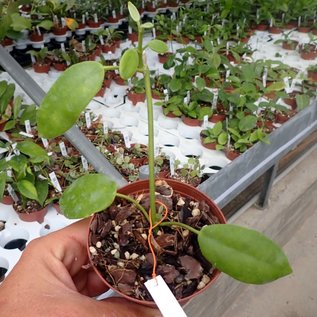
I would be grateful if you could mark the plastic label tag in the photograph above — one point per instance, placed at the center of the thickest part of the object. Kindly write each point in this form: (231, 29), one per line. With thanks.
(287, 85)
(84, 162)
(205, 122)
(88, 120)
(172, 167)
(15, 150)
(55, 181)
(63, 149)
(28, 128)
(126, 140)
(28, 135)
(264, 77)
(44, 142)
(164, 298)
(12, 193)
(105, 128)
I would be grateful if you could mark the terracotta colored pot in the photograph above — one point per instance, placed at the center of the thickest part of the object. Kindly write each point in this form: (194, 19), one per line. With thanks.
(136, 97)
(41, 68)
(210, 146)
(109, 48)
(192, 122)
(308, 55)
(261, 27)
(101, 92)
(164, 57)
(133, 37)
(60, 66)
(314, 31)
(245, 39)
(183, 189)
(217, 117)
(304, 29)
(281, 118)
(59, 30)
(312, 75)
(93, 24)
(6, 42)
(289, 46)
(171, 115)
(291, 101)
(34, 216)
(119, 81)
(231, 154)
(36, 37)
(111, 19)
(7, 200)
(275, 30)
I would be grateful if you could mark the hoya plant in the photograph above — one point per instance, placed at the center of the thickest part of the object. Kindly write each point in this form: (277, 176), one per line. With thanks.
(242, 253)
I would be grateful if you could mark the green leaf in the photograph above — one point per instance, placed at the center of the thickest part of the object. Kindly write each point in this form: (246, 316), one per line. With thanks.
(217, 128)
(17, 106)
(302, 101)
(68, 97)
(175, 85)
(27, 189)
(87, 195)
(200, 83)
(36, 153)
(46, 24)
(129, 63)
(223, 138)
(147, 25)
(158, 46)
(29, 113)
(277, 86)
(42, 190)
(247, 123)
(242, 253)
(3, 178)
(20, 23)
(134, 13)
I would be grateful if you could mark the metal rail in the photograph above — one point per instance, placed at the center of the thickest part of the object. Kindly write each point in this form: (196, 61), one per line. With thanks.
(74, 135)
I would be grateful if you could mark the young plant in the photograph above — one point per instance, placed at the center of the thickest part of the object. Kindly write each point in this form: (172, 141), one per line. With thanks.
(242, 253)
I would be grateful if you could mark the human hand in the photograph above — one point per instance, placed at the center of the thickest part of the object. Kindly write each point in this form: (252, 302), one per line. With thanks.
(49, 280)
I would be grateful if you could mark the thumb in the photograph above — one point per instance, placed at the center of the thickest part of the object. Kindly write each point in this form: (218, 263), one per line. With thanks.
(121, 307)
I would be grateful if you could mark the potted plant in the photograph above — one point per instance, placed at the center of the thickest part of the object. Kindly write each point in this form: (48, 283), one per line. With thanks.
(41, 62)
(287, 42)
(312, 73)
(214, 138)
(308, 51)
(136, 93)
(92, 193)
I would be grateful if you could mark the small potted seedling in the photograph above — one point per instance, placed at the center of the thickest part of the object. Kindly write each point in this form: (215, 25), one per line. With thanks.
(141, 227)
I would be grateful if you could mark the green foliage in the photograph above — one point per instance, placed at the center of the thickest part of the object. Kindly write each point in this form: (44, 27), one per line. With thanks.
(68, 97)
(244, 254)
(91, 200)
(129, 63)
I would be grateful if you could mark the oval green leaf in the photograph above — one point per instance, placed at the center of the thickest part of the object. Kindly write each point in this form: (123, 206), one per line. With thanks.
(158, 46)
(242, 253)
(68, 97)
(27, 189)
(36, 153)
(87, 195)
(147, 25)
(129, 63)
(134, 13)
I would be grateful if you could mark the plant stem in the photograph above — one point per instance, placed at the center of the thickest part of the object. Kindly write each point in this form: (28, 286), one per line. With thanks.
(148, 92)
(130, 199)
(179, 224)
(107, 68)
(140, 45)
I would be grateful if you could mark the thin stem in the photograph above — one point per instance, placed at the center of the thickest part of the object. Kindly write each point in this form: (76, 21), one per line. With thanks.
(179, 224)
(107, 68)
(148, 92)
(130, 199)
(140, 45)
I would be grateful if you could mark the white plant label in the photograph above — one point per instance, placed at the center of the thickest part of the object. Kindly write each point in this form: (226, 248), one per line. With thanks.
(15, 150)
(63, 47)
(44, 142)
(172, 166)
(264, 77)
(84, 162)
(215, 99)
(63, 149)
(33, 60)
(129, 29)
(9, 173)
(102, 42)
(95, 18)
(114, 15)
(121, 10)
(105, 129)
(299, 21)
(227, 74)
(156, 150)
(83, 19)
(12, 193)
(205, 122)
(126, 140)
(27, 125)
(287, 85)
(55, 181)
(88, 120)
(63, 22)
(271, 23)
(164, 298)
(227, 48)
(28, 135)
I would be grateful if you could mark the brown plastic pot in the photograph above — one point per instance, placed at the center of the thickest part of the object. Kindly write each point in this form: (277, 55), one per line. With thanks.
(275, 30)
(312, 75)
(59, 30)
(217, 117)
(34, 216)
(142, 186)
(135, 97)
(41, 68)
(7, 200)
(291, 46)
(191, 122)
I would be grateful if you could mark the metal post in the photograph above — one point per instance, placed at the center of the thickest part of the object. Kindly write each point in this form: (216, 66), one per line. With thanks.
(267, 186)
(74, 135)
